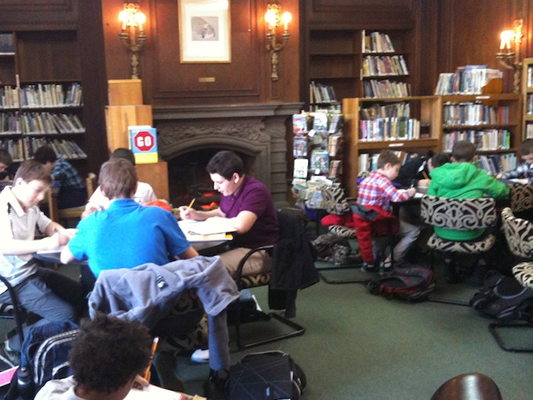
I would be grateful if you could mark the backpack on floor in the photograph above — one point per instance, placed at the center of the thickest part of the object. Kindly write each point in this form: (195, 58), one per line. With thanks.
(269, 375)
(503, 298)
(44, 356)
(409, 283)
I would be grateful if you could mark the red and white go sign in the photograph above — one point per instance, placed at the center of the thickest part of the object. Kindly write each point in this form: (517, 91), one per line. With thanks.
(144, 140)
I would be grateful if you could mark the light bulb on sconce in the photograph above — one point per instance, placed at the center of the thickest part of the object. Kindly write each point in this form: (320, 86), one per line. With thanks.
(273, 20)
(507, 57)
(133, 18)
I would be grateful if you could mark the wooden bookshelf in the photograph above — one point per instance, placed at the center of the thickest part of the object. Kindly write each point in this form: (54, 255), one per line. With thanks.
(425, 109)
(527, 97)
(42, 79)
(336, 59)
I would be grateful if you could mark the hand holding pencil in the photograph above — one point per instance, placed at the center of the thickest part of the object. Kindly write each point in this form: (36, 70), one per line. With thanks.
(187, 212)
(154, 348)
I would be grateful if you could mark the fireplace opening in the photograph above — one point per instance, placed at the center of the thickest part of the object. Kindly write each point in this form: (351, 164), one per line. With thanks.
(189, 180)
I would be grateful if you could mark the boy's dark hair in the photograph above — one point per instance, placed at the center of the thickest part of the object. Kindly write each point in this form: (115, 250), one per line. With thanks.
(31, 170)
(109, 352)
(463, 151)
(526, 148)
(440, 159)
(5, 158)
(45, 154)
(123, 153)
(225, 163)
(118, 178)
(387, 157)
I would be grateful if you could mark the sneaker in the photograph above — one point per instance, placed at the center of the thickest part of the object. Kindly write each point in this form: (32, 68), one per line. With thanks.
(369, 268)
(385, 267)
(200, 356)
(11, 358)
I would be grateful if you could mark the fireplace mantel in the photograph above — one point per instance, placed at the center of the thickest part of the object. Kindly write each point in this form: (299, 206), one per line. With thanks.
(259, 130)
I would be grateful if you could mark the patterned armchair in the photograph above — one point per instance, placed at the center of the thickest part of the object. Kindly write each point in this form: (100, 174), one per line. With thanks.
(336, 203)
(461, 215)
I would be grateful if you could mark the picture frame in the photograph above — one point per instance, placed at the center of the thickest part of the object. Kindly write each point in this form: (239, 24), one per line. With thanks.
(204, 31)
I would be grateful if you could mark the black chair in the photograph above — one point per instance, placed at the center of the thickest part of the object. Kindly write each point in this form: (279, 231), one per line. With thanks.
(14, 310)
(292, 269)
(519, 236)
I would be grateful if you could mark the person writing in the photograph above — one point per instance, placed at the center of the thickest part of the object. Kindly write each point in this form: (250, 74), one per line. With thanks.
(40, 290)
(372, 213)
(247, 205)
(126, 234)
(108, 358)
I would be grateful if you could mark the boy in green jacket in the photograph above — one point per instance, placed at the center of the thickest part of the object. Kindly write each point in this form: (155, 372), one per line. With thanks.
(461, 179)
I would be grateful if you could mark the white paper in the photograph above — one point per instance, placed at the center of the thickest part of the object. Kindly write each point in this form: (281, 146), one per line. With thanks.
(154, 392)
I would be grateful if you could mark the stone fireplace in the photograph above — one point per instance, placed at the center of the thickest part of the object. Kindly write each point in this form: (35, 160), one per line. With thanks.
(188, 136)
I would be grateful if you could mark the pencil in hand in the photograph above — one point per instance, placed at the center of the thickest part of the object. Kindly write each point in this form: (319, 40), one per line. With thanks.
(425, 175)
(154, 348)
(192, 202)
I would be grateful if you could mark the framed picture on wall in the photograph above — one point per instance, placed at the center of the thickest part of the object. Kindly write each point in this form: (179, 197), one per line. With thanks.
(204, 30)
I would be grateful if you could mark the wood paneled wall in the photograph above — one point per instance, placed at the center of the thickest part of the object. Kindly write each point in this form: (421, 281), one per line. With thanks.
(167, 81)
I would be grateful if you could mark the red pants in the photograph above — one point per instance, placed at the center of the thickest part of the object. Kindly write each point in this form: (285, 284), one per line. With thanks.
(383, 224)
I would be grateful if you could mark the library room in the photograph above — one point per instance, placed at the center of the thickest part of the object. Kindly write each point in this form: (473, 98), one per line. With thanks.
(218, 199)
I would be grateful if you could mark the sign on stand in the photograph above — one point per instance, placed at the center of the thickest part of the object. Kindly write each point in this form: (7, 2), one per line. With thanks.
(143, 143)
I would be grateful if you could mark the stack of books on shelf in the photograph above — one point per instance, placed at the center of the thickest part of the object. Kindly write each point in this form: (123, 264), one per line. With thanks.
(468, 79)
(50, 95)
(9, 123)
(50, 123)
(386, 89)
(68, 149)
(15, 148)
(470, 114)
(384, 65)
(9, 97)
(377, 42)
(485, 140)
(496, 163)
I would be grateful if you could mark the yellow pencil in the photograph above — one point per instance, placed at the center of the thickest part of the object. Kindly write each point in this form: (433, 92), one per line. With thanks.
(192, 202)
(154, 348)
(425, 175)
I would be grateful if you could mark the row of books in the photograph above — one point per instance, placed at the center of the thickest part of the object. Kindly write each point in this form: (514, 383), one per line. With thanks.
(529, 104)
(468, 79)
(302, 144)
(386, 89)
(382, 129)
(474, 114)
(319, 93)
(24, 149)
(330, 122)
(401, 109)
(497, 163)
(13, 147)
(50, 123)
(485, 140)
(384, 65)
(529, 131)
(67, 149)
(530, 75)
(377, 42)
(9, 97)
(9, 123)
(51, 95)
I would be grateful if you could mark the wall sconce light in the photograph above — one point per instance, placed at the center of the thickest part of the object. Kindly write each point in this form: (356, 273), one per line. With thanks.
(273, 19)
(133, 18)
(508, 58)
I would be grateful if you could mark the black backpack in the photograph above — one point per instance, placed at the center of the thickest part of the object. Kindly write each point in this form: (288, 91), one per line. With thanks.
(44, 356)
(503, 298)
(409, 283)
(269, 375)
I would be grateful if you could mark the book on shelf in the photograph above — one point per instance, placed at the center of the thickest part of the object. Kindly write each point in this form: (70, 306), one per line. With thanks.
(377, 42)
(469, 79)
(300, 123)
(320, 122)
(319, 93)
(334, 169)
(301, 166)
(299, 146)
(335, 123)
(335, 145)
(319, 162)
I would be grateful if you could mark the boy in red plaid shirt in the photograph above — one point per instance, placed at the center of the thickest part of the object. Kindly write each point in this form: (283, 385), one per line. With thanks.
(372, 214)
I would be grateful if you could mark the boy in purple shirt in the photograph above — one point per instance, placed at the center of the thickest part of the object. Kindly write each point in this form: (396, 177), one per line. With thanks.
(248, 204)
